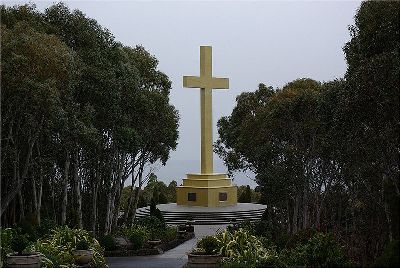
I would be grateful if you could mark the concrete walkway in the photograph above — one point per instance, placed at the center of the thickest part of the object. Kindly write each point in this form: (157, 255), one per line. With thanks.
(174, 258)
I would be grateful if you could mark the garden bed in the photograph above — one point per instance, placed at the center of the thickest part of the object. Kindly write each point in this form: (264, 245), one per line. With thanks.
(165, 246)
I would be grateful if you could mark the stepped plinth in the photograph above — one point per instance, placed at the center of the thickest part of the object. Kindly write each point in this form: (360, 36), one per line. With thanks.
(207, 189)
(176, 215)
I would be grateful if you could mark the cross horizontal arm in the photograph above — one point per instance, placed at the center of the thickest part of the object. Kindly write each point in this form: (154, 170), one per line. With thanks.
(220, 83)
(192, 82)
(201, 82)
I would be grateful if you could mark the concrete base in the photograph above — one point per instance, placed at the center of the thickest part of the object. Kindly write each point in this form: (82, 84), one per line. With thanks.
(207, 190)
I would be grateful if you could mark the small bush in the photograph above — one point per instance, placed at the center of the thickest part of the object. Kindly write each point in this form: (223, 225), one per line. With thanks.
(154, 225)
(137, 234)
(57, 248)
(242, 247)
(19, 243)
(170, 233)
(28, 229)
(210, 245)
(137, 239)
(82, 245)
(108, 243)
(6, 237)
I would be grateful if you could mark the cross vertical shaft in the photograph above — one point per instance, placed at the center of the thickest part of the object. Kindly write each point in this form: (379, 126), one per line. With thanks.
(206, 83)
(206, 153)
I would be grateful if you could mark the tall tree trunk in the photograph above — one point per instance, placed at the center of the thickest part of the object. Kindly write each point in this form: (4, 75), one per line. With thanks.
(295, 213)
(117, 203)
(131, 194)
(129, 205)
(39, 200)
(53, 198)
(386, 207)
(64, 201)
(21, 206)
(135, 203)
(94, 203)
(288, 215)
(94, 208)
(34, 198)
(305, 205)
(137, 190)
(77, 187)
(20, 179)
(112, 204)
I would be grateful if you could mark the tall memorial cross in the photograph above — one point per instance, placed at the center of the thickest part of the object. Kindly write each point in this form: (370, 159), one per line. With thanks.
(206, 83)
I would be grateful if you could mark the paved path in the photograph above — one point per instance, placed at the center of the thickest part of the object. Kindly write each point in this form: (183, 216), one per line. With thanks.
(174, 258)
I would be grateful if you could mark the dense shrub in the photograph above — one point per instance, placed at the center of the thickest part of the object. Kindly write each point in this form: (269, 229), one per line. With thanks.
(137, 234)
(19, 242)
(154, 225)
(82, 245)
(242, 247)
(27, 229)
(170, 233)
(320, 251)
(209, 244)
(6, 238)
(108, 242)
(302, 237)
(148, 228)
(138, 237)
(57, 247)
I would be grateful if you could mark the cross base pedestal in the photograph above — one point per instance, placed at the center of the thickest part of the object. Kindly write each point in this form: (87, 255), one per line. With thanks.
(207, 190)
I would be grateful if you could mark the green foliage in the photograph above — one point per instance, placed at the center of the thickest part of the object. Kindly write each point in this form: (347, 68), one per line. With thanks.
(138, 239)
(146, 229)
(138, 234)
(82, 245)
(72, 94)
(108, 242)
(244, 194)
(320, 251)
(209, 244)
(19, 242)
(57, 247)
(327, 154)
(390, 256)
(242, 247)
(28, 230)
(300, 238)
(170, 233)
(6, 238)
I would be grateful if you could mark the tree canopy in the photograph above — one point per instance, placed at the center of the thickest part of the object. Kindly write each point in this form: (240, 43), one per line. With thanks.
(326, 154)
(81, 113)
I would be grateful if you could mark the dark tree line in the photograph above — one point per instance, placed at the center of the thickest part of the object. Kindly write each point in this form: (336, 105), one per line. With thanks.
(81, 113)
(326, 155)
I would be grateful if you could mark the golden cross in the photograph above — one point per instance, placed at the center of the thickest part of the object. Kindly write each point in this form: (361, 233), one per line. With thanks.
(206, 83)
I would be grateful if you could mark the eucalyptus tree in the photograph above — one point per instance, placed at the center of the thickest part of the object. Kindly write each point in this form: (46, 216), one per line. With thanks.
(371, 105)
(104, 115)
(35, 68)
(154, 120)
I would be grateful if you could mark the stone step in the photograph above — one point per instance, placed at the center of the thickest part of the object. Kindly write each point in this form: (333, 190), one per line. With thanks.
(174, 214)
(204, 215)
(207, 220)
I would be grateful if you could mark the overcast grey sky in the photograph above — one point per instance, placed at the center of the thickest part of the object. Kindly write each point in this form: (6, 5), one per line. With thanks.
(253, 42)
